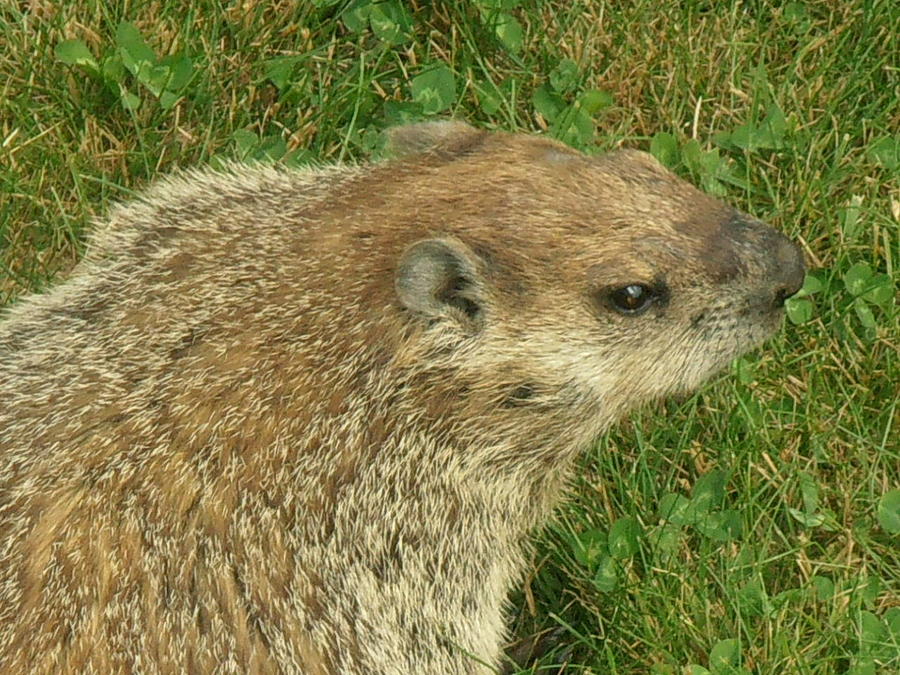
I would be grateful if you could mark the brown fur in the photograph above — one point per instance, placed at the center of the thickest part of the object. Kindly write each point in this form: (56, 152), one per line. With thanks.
(261, 429)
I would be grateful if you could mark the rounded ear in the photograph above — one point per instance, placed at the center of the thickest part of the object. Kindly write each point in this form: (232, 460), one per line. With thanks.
(440, 278)
(445, 137)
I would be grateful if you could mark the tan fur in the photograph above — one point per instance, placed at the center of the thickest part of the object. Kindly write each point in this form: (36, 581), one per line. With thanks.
(262, 429)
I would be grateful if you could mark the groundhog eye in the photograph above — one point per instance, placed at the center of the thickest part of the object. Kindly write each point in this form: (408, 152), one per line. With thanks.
(632, 299)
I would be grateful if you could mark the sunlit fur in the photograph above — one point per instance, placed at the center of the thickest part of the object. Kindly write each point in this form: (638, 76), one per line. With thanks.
(226, 444)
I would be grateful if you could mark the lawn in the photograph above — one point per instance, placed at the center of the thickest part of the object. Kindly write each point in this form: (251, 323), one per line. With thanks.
(751, 528)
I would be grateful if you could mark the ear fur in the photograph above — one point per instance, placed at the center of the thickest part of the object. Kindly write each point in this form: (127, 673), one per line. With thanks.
(446, 137)
(440, 278)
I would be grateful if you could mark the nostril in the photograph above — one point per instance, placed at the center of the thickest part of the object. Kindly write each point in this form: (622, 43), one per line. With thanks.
(781, 295)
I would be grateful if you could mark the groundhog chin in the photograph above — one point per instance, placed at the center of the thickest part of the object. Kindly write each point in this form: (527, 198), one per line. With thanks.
(676, 363)
(715, 357)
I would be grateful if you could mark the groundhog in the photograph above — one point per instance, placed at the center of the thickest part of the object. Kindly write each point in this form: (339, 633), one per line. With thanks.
(304, 421)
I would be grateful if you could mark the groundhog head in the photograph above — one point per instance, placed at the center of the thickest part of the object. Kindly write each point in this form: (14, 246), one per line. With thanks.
(606, 277)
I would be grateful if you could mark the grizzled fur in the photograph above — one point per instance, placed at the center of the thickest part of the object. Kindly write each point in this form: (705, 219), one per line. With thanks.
(304, 421)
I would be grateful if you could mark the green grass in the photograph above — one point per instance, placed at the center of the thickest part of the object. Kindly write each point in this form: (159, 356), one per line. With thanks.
(781, 554)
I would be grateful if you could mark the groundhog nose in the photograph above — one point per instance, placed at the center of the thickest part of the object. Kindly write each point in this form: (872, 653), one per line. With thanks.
(789, 267)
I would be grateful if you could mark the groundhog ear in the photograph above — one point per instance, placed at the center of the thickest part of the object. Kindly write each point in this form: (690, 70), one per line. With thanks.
(446, 138)
(439, 278)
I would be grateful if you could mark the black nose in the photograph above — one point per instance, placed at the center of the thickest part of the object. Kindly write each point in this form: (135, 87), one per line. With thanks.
(788, 267)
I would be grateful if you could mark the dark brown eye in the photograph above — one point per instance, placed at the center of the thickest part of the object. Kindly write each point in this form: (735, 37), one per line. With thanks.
(632, 299)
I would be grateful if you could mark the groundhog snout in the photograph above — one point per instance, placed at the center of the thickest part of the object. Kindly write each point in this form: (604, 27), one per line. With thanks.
(777, 261)
(789, 266)
(783, 265)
